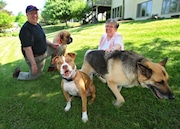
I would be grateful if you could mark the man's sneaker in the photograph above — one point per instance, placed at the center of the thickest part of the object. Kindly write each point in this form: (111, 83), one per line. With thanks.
(16, 72)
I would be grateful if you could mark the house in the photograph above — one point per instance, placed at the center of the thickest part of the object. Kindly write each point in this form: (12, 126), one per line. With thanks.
(143, 9)
(136, 9)
(99, 8)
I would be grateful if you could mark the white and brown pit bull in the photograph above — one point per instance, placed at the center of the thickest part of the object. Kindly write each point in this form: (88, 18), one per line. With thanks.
(74, 82)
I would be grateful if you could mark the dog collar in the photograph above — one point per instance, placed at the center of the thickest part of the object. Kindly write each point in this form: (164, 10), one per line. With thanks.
(71, 78)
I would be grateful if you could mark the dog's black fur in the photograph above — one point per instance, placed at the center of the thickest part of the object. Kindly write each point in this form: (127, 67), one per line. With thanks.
(98, 59)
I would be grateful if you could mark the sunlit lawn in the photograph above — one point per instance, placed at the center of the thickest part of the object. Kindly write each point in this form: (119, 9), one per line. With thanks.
(40, 104)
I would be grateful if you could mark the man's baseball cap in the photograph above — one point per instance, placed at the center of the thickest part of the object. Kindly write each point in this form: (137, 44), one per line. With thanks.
(30, 8)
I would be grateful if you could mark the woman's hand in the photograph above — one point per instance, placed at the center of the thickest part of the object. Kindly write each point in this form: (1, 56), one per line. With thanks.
(108, 50)
(116, 47)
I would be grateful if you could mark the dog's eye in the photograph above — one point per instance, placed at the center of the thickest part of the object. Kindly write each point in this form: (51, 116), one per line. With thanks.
(161, 82)
(59, 63)
(68, 60)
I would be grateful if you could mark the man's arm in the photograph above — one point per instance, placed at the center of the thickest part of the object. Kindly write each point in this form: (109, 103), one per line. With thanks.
(30, 56)
(53, 45)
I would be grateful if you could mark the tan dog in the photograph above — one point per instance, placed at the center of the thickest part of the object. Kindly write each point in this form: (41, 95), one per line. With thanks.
(74, 82)
(127, 69)
(63, 38)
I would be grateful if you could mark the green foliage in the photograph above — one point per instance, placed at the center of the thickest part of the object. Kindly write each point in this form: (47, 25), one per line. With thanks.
(6, 21)
(20, 19)
(2, 4)
(78, 9)
(64, 10)
(56, 10)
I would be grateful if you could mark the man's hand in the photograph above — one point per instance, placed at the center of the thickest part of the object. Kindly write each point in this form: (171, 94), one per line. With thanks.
(34, 69)
(55, 45)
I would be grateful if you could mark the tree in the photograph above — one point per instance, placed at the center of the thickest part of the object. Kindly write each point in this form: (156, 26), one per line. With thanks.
(57, 10)
(64, 10)
(20, 19)
(6, 21)
(78, 9)
(2, 4)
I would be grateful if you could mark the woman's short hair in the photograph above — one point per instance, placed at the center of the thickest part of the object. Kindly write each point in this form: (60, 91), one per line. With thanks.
(114, 22)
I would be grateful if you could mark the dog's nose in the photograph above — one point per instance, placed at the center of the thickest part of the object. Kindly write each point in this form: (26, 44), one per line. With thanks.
(171, 96)
(70, 40)
(64, 66)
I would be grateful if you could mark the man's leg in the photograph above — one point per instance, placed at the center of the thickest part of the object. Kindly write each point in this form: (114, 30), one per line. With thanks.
(40, 61)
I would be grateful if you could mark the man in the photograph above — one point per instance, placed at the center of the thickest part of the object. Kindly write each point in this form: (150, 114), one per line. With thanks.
(35, 47)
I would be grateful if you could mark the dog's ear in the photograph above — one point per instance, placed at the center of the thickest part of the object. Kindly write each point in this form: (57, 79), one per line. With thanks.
(144, 70)
(72, 55)
(163, 63)
(61, 36)
(55, 59)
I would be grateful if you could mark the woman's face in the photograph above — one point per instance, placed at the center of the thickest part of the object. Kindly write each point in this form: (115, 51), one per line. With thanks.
(32, 16)
(110, 29)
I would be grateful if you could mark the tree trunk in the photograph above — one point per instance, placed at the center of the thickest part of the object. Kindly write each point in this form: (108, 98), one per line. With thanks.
(66, 23)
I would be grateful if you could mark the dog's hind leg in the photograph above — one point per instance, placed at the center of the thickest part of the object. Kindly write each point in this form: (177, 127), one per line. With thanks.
(93, 94)
(103, 80)
(86, 68)
(119, 88)
(119, 98)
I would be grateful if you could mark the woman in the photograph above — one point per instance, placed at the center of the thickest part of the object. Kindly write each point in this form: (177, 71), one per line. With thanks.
(111, 40)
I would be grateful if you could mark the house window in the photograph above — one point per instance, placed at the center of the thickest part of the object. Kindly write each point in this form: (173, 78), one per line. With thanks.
(117, 12)
(144, 9)
(170, 6)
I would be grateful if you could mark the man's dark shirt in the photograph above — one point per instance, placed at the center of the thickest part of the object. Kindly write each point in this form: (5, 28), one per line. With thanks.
(33, 35)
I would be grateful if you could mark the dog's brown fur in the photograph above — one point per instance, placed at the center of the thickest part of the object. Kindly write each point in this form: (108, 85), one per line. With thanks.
(127, 69)
(82, 81)
(63, 38)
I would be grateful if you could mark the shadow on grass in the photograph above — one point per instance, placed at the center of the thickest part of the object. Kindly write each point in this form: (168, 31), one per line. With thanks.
(142, 21)
(159, 49)
(51, 29)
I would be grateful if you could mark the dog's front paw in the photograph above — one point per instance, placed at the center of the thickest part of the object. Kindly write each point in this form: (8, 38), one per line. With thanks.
(117, 103)
(68, 106)
(84, 117)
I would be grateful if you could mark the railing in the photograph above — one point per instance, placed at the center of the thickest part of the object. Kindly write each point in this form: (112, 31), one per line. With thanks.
(100, 2)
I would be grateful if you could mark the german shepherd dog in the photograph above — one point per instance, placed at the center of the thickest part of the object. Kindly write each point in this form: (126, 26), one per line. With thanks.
(127, 69)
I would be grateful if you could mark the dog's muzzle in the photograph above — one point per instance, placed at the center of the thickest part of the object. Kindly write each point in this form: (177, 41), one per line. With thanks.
(70, 40)
(159, 94)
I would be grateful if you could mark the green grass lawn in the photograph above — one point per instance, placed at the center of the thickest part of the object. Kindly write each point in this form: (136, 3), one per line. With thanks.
(40, 104)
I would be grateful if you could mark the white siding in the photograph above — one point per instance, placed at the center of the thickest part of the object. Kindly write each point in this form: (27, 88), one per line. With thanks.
(131, 8)
(116, 3)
